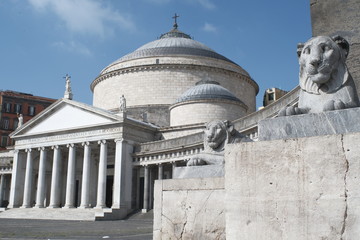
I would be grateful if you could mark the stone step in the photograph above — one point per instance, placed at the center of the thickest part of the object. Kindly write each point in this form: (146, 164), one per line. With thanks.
(77, 214)
(50, 213)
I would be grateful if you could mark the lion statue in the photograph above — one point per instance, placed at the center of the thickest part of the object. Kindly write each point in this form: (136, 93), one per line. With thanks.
(217, 135)
(324, 79)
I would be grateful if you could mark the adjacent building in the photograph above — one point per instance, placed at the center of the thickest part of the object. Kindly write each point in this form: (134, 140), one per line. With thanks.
(12, 104)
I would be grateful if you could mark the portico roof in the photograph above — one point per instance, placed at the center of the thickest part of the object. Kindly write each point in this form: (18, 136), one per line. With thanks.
(65, 114)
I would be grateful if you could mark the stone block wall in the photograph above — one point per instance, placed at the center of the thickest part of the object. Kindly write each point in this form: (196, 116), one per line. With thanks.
(147, 83)
(189, 209)
(306, 188)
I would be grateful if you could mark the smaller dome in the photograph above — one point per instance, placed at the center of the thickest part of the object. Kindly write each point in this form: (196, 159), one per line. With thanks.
(205, 90)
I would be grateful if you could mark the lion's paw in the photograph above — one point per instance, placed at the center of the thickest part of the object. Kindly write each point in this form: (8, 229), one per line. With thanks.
(195, 162)
(334, 105)
(289, 111)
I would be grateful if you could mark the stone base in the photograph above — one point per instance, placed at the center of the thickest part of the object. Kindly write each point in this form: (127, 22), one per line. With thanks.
(308, 125)
(306, 188)
(189, 209)
(204, 171)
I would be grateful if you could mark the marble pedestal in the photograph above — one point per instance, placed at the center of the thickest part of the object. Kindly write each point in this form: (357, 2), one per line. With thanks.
(308, 125)
(204, 171)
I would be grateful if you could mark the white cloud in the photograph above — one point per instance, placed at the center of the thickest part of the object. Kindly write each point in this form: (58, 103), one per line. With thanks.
(85, 16)
(73, 47)
(208, 27)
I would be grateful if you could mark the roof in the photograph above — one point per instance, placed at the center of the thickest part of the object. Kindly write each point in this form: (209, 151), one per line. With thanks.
(206, 90)
(173, 42)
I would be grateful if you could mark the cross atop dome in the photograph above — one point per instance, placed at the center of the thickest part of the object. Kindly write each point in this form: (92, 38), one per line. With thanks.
(175, 19)
(175, 33)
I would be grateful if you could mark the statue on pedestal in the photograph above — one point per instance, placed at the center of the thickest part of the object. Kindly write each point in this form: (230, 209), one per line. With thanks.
(20, 120)
(122, 107)
(217, 135)
(324, 79)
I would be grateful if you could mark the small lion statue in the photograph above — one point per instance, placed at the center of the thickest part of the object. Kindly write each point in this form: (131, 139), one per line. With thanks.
(217, 135)
(324, 79)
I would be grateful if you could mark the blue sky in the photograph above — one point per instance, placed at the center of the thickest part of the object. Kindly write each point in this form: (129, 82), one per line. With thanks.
(43, 40)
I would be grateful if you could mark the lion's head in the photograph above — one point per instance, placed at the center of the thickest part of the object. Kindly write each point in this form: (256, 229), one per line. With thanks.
(322, 64)
(216, 135)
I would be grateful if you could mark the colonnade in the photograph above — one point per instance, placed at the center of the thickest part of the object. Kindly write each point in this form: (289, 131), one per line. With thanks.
(22, 196)
(147, 187)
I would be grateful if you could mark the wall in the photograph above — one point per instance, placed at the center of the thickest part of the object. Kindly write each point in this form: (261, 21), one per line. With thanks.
(144, 84)
(205, 111)
(306, 188)
(189, 209)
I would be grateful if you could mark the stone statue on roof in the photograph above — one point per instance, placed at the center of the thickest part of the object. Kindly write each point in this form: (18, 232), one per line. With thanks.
(68, 92)
(122, 107)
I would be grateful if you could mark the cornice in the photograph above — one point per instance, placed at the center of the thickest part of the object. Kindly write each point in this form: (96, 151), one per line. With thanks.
(156, 67)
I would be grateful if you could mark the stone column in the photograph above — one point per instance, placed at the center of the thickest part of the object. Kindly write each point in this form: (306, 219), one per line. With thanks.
(85, 187)
(118, 176)
(146, 189)
(2, 183)
(160, 172)
(28, 179)
(40, 195)
(70, 180)
(55, 178)
(16, 180)
(173, 169)
(101, 189)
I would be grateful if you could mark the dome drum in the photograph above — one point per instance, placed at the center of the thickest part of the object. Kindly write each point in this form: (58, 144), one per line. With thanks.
(205, 102)
(205, 111)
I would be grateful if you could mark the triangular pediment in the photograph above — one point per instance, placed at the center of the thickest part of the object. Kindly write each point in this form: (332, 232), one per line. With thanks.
(66, 115)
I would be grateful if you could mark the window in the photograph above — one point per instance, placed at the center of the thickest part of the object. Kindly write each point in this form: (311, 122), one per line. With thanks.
(18, 108)
(4, 140)
(31, 110)
(7, 107)
(5, 123)
(271, 96)
(16, 123)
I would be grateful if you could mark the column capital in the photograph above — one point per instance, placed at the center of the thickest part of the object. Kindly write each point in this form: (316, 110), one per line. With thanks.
(70, 145)
(28, 150)
(42, 149)
(55, 147)
(102, 142)
(120, 140)
(16, 151)
(85, 144)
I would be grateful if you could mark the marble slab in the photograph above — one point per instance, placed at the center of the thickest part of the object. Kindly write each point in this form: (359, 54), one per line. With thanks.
(204, 171)
(308, 125)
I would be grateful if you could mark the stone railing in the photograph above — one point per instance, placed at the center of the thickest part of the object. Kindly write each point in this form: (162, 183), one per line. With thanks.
(171, 155)
(249, 122)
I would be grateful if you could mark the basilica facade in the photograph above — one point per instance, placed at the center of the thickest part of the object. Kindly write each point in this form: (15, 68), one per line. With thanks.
(148, 115)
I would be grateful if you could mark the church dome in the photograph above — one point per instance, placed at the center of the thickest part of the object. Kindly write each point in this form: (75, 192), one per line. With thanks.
(155, 75)
(205, 102)
(174, 42)
(206, 90)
